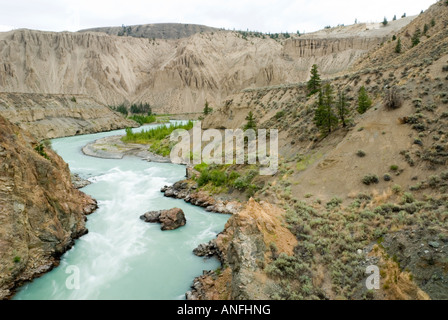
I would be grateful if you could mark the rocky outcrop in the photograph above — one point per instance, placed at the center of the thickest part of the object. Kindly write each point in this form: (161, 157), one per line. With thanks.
(78, 182)
(208, 250)
(188, 191)
(48, 116)
(243, 247)
(423, 252)
(169, 219)
(41, 213)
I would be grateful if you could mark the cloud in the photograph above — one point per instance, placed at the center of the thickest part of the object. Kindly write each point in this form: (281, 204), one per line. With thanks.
(261, 15)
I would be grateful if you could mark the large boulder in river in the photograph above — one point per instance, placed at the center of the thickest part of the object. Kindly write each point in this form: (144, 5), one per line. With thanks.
(170, 219)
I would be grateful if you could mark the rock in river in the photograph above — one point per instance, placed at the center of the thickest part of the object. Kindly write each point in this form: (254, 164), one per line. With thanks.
(170, 219)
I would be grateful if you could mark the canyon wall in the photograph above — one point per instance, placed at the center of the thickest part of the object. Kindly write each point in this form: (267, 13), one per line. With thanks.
(40, 212)
(175, 75)
(48, 116)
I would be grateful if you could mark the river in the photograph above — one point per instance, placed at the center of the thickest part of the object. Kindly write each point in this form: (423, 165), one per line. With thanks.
(122, 257)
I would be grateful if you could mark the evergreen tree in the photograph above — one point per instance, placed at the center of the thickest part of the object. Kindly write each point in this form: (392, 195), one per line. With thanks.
(398, 46)
(364, 102)
(251, 124)
(425, 29)
(324, 118)
(395, 17)
(342, 108)
(207, 109)
(416, 37)
(314, 84)
(385, 22)
(319, 114)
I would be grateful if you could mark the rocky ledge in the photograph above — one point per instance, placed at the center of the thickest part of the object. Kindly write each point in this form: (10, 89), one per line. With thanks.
(187, 190)
(78, 182)
(243, 249)
(169, 219)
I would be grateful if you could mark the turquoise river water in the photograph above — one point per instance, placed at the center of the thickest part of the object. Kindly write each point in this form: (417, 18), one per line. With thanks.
(122, 257)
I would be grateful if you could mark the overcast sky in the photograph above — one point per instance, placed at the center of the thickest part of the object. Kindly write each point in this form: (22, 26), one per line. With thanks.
(260, 15)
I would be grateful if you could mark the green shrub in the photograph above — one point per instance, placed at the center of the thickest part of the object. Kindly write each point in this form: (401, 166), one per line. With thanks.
(40, 149)
(234, 175)
(370, 179)
(122, 109)
(286, 267)
(143, 119)
(141, 108)
(433, 181)
(245, 182)
(218, 178)
(204, 178)
(280, 114)
(17, 259)
(335, 202)
(394, 167)
(160, 148)
(444, 175)
(408, 198)
(201, 167)
(361, 154)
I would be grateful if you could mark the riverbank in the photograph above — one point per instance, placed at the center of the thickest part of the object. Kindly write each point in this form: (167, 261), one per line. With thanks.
(255, 234)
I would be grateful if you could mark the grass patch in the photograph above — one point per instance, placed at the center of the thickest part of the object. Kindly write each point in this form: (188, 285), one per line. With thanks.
(306, 161)
(143, 119)
(394, 167)
(154, 135)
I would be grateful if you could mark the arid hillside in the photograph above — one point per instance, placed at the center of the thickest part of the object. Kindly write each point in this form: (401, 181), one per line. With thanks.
(175, 76)
(371, 193)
